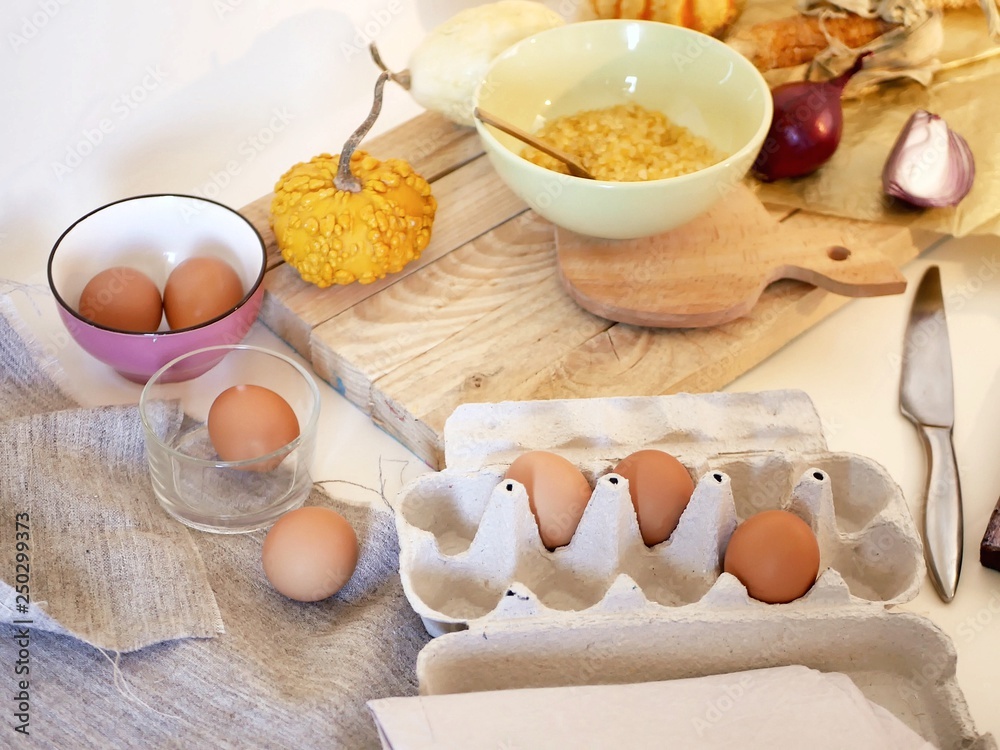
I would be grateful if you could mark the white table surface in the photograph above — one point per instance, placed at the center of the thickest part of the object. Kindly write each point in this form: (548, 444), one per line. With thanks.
(219, 97)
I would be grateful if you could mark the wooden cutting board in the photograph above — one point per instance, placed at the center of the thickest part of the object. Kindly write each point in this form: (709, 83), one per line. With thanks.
(484, 315)
(713, 269)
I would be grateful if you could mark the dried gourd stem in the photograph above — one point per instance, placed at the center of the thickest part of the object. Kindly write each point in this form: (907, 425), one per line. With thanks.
(346, 179)
(402, 78)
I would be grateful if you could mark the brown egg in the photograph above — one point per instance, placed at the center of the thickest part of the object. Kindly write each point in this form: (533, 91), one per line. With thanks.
(246, 421)
(558, 493)
(200, 289)
(660, 488)
(775, 554)
(310, 553)
(122, 298)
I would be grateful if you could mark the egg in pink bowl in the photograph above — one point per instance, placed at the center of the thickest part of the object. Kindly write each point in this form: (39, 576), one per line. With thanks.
(151, 235)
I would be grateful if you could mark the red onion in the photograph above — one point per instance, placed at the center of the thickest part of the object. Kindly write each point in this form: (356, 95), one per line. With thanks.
(806, 127)
(930, 165)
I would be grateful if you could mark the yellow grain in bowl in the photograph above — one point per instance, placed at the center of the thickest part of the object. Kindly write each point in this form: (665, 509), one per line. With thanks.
(624, 143)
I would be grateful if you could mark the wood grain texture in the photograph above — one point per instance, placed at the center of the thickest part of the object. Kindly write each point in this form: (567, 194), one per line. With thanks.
(472, 200)
(483, 315)
(486, 362)
(432, 144)
(713, 269)
(629, 360)
(618, 360)
(384, 332)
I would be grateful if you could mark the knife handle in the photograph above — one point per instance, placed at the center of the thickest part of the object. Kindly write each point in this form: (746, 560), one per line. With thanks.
(943, 532)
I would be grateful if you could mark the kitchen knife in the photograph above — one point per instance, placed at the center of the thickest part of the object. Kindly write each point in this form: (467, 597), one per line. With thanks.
(926, 397)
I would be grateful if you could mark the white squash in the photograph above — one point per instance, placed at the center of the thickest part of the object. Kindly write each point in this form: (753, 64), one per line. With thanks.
(449, 63)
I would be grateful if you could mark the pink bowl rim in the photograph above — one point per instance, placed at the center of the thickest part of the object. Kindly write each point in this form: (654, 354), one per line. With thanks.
(156, 334)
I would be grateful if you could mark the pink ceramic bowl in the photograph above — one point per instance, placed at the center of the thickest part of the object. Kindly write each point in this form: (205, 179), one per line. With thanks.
(153, 234)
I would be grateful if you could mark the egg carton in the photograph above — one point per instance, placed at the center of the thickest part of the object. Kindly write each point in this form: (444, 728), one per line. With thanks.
(467, 536)
(607, 608)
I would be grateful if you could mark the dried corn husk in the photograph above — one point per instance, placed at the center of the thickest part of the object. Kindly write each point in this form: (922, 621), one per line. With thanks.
(992, 10)
(795, 40)
(906, 12)
(903, 38)
(903, 52)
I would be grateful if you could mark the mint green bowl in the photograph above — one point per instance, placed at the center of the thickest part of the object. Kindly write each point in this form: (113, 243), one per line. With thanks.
(694, 79)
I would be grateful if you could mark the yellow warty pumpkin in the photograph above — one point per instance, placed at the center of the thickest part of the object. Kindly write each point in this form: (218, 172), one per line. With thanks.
(334, 236)
(351, 217)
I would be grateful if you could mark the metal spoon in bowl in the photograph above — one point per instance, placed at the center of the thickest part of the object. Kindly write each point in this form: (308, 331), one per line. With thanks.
(574, 166)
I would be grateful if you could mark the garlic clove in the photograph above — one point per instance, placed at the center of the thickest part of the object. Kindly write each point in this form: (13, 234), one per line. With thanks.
(930, 165)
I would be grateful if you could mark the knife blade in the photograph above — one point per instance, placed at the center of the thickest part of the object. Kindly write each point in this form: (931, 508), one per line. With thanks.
(926, 397)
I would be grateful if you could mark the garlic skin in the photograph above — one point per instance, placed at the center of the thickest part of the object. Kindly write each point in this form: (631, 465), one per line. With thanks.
(930, 165)
(450, 62)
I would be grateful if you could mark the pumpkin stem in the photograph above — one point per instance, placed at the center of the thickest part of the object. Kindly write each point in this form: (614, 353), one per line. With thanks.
(402, 78)
(346, 179)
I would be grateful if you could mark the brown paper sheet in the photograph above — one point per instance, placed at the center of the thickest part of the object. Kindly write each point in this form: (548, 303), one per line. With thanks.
(850, 184)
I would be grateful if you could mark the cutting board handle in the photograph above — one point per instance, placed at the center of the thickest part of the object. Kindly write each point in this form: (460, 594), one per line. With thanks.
(714, 269)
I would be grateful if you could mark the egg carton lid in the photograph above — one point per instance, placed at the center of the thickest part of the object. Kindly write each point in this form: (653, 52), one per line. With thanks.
(899, 660)
(477, 435)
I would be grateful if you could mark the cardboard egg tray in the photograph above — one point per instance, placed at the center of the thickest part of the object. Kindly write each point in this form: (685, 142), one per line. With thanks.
(607, 609)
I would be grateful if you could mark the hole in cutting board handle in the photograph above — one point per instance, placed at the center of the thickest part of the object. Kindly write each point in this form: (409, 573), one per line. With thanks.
(838, 253)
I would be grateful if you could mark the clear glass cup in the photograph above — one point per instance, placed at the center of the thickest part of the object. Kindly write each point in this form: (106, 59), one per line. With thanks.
(189, 480)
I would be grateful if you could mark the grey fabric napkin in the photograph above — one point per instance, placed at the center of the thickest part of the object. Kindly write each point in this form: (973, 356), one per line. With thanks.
(284, 674)
(25, 388)
(100, 560)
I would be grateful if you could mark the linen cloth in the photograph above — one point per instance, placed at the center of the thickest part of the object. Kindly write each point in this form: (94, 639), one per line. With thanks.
(117, 660)
(111, 568)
